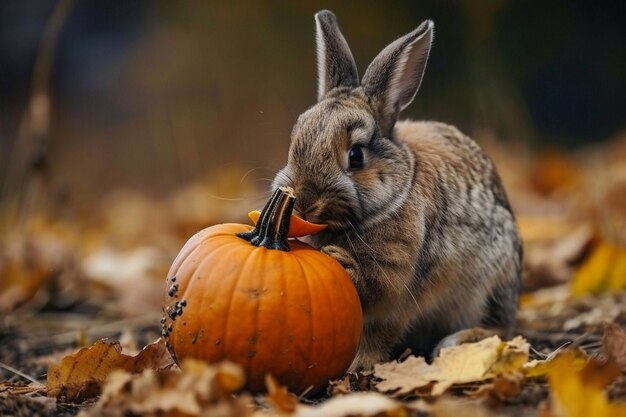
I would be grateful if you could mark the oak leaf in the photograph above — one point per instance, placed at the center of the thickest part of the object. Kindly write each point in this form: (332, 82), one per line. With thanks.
(79, 376)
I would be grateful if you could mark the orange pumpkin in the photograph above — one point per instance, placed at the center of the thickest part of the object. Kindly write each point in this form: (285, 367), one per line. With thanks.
(272, 305)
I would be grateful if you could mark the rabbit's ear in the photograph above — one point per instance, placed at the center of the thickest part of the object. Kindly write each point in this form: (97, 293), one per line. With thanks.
(335, 64)
(395, 75)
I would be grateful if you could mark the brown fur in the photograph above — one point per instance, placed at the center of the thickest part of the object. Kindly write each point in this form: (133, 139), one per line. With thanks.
(424, 229)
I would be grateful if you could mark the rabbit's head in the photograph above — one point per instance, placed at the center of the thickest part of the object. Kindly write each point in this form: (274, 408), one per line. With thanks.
(344, 164)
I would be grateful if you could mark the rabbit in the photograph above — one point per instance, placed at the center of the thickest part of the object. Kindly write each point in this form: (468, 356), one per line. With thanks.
(416, 211)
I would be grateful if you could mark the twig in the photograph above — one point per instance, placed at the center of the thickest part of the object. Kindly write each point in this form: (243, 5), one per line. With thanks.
(18, 372)
(29, 152)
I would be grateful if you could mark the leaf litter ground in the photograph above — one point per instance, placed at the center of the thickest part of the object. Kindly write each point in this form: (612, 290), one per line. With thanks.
(69, 283)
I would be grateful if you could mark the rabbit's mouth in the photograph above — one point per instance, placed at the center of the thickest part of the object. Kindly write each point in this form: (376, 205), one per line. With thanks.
(319, 218)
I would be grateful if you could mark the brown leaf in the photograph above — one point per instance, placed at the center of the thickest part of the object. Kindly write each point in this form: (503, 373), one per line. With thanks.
(278, 396)
(502, 387)
(79, 376)
(198, 390)
(8, 388)
(340, 386)
(614, 344)
(357, 404)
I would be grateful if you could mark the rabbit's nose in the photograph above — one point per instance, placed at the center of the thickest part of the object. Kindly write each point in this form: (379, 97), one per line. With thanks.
(305, 201)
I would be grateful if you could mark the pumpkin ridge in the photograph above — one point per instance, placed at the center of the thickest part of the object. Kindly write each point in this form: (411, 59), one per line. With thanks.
(173, 341)
(238, 280)
(207, 282)
(306, 278)
(257, 311)
(181, 289)
(182, 256)
(284, 304)
(325, 291)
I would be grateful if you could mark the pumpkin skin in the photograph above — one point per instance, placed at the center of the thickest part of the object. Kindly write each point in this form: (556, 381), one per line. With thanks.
(293, 314)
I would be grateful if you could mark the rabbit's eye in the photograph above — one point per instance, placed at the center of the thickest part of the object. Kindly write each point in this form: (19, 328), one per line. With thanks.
(355, 157)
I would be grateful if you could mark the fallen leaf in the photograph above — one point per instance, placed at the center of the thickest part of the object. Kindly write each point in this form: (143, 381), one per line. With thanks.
(538, 368)
(79, 376)
(614, 344)
(278, 397)
(502, 387)
(604, 310)
(356, 404)
(33, 260)
(553, 262)
(198, 389)
(468, 362)
(604, 270)
(580, 392)
(340, 386)
(8, 388)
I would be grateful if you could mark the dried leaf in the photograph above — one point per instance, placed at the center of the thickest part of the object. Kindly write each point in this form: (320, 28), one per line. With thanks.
(537, 368)
(79, 376)
(553, 262)
(580, 392)
(33, 259)
(468, 362)
(614, 344)
(604, 270)
(357, 404)
(198, 390)
(279, 398)
(8, 388)
(503, 386)
(340, 386)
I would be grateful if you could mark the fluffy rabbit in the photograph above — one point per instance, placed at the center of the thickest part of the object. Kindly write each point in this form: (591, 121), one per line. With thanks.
(416, 210)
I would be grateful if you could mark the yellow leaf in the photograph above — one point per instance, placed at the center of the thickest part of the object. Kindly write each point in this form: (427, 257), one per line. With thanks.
(537, 368)
(604, 270)
(468, 362)
(580, 392)
(617, 276)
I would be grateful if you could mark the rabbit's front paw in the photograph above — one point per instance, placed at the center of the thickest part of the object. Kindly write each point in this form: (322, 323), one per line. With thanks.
(471, 335)
(343, 257)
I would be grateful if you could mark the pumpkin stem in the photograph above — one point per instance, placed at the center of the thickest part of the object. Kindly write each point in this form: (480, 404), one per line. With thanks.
(273, 226)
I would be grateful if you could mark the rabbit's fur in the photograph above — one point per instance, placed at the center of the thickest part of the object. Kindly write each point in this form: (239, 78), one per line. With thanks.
(424, 228)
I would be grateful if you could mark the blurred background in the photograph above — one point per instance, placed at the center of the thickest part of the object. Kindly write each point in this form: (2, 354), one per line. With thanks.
(154, 94)
(125, 127)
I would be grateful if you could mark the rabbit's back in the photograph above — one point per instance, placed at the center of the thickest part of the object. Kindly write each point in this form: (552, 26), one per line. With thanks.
(468, 260)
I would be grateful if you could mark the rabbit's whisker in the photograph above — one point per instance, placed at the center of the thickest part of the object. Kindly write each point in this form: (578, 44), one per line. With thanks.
(250, 171)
